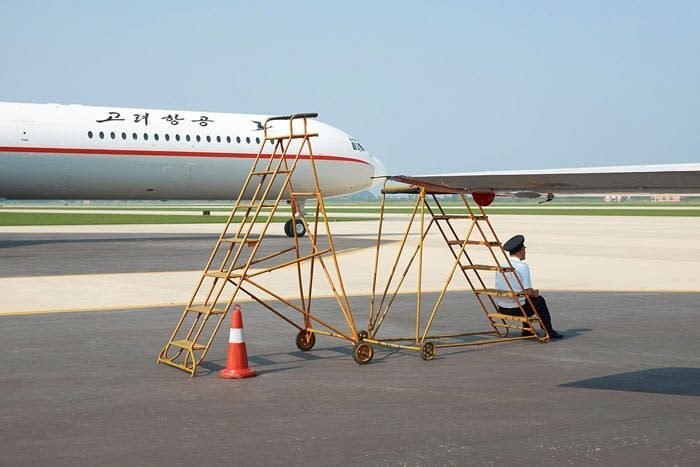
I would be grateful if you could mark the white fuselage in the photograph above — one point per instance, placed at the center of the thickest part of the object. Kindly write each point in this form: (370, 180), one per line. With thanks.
(53, 151)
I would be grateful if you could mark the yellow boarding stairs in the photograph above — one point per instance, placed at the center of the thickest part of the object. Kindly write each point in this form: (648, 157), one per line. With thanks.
(229, 269)
(479, 234)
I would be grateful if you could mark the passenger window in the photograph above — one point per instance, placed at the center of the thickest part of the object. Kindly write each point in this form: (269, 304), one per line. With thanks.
(188, 138)
(90, 134)
(198, 138)
(123, 135)
(167, 137)
(208, 139)
(238, 139)
(135, 136)
(247, 139)
(102, 135)
(257, 140)
(228, 139)
(145, 136)
(112, 135)
(177, 137)
(155, 137)
(218, 139)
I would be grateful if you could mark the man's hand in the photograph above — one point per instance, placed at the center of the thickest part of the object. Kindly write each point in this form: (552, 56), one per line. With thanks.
(532, 293)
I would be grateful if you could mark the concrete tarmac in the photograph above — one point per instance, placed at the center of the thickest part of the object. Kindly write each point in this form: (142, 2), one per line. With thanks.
(621, 389)
(84, 389)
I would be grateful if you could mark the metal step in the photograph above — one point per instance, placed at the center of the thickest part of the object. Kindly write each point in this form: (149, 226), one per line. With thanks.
(221, 274)
(206, 309)
(187, 345)
(521, 319)
(247, 241)
(486, 267)
(295, 136)
(459, 216)
(473, 242)
(254, 206)
(498, 293)
(304, 193)
(269, 172)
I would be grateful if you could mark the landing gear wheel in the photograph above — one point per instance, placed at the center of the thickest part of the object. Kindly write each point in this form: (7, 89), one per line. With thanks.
(362, 335)
(288, 228)
(362, 353)
(306, 340)
(427, 351)
(300, 227)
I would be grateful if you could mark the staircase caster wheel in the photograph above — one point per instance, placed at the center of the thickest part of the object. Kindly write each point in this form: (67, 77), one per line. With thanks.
(306, 340)
(362, 335)
(427, 351)
(362, 353)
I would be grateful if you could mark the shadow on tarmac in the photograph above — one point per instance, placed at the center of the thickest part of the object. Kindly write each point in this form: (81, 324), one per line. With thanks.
(677, 381)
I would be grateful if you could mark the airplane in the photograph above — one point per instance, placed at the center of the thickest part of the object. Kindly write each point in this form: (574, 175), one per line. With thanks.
(57, 151)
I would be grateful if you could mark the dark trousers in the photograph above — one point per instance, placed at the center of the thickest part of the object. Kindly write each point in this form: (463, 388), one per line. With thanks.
(541, 307)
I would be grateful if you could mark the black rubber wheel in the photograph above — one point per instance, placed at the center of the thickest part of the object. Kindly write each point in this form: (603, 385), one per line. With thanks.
(301, 228)
(306, 340)
(362, 353)
(427, 351)
(362, 335)
(288, 228)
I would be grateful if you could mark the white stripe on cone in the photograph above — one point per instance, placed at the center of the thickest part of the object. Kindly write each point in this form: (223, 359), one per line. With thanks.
(235, 336)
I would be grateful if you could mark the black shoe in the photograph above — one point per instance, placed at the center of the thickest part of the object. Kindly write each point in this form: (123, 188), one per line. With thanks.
(555, 335)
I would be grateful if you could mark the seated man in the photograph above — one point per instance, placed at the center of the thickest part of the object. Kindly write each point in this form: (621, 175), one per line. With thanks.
(506, 305)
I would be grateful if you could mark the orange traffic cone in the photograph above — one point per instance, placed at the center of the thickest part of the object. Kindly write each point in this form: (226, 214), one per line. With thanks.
(237, 360)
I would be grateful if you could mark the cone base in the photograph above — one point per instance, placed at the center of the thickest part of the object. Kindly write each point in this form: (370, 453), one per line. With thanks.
(237, 374)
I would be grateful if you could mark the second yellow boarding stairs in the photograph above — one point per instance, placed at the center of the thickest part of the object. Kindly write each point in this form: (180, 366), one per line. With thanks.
(268, 184)
(479, 233)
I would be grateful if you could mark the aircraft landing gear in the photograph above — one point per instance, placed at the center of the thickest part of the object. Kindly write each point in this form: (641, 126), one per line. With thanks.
(300, 228)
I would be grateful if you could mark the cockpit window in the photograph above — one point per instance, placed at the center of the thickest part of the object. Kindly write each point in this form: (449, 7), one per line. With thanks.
(355, 145)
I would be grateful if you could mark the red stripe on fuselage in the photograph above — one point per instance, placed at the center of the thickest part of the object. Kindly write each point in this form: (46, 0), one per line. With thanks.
(160, 153)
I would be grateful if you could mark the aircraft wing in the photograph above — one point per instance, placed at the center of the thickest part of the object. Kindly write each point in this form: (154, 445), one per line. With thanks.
(636, 179)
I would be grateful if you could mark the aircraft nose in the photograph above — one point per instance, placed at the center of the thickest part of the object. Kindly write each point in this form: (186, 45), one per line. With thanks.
(379, 167)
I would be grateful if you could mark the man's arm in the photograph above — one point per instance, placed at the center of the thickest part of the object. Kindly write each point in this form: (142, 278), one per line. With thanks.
(524, 274)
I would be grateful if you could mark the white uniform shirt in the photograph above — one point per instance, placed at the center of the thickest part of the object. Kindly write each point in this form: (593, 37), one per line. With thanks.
(523, 272)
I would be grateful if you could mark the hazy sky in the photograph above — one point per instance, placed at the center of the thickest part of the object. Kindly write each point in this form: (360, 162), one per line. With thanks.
(425, 86)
